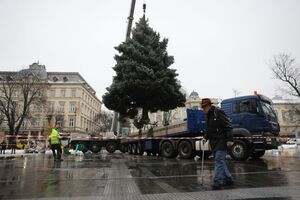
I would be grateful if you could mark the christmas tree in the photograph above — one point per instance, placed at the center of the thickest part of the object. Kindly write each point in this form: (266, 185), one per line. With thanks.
(143, 78)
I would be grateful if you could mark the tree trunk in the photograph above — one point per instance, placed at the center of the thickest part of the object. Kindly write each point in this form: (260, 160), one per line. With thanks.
(145, 117)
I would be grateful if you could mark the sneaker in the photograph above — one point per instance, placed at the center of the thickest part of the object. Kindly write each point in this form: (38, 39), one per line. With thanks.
(216, 187)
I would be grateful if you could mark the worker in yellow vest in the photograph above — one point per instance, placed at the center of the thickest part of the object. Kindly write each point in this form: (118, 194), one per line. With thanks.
(55, 144)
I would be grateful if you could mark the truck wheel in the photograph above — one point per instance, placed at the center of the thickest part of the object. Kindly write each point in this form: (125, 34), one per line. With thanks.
(257, 154)
(239, 151)
(111, 147)
(129, 149)
(123, 148)
(134, 149)
(185, 150)
(95, 147)
(139, 149)
(167, 150)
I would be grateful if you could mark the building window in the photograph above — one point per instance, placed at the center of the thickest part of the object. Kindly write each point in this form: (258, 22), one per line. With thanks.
(52, 93)
(65, 79)
(59, 123)
(61, 107)
(40, 93)
(72, 122)
(63, 93)
(50, 107)
(73, 93)
(15, 94)
(37, 123)
(24, 123)
(72, 107)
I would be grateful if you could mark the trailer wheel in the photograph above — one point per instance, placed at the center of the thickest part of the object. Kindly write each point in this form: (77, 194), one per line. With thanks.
(134, 149)
(239, 151)
(167, 150)
(139, 149)
(111, 147)
(257, 154)
(123, 148)
(129, 149)
(95, 147)
(185, 150)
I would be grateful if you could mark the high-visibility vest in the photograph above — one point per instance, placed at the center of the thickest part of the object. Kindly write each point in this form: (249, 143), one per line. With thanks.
(53, 138)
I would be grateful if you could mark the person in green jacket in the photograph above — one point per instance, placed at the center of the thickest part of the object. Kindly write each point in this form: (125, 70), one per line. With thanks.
(55, 144)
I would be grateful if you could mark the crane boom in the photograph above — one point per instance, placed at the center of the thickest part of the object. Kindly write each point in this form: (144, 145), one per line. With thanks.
(130, 19)
(115, 123)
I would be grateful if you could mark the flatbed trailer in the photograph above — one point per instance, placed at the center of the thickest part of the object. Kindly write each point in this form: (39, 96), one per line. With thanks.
(255, 130)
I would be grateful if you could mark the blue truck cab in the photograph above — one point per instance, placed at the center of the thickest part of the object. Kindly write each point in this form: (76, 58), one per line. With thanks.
(255, 125)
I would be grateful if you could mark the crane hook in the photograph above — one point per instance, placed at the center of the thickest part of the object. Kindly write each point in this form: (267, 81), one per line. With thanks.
(144, 8)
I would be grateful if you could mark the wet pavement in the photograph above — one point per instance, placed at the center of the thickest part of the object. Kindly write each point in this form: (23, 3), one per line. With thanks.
(121, 176)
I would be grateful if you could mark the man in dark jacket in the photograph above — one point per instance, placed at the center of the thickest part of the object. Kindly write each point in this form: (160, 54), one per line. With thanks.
(219, 134)
(3, 147)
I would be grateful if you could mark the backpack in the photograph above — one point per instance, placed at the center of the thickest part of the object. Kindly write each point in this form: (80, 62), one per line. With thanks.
(226, 122)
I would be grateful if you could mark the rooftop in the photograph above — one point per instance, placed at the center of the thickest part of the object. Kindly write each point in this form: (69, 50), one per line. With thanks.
(51, 77)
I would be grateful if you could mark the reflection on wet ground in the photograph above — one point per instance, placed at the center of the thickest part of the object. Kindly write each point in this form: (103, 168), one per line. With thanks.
(105, 174)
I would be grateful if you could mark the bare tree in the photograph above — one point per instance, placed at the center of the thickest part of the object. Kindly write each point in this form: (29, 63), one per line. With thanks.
(19, 92)
(105, 119)
(285, 69)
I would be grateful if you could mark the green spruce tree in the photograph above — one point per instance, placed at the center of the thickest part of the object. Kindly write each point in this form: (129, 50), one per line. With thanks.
(143, 76)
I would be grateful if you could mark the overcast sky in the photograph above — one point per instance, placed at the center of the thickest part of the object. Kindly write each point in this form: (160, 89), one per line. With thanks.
(218, 45)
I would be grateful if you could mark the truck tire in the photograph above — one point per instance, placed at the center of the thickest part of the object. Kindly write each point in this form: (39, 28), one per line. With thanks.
(129, 149)
(139, 149)
(148, 153)
(134, 149)
(185, 150)
(239, 151)
(111, 147)
(167, 150)
(257, 154)
(95, 147)
(123, 148)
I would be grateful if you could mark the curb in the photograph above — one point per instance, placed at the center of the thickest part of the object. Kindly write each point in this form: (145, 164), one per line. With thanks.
(10, 157)
(7, 157)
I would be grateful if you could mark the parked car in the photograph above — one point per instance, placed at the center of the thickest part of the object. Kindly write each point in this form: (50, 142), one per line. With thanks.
(28, 149)
(294, 141)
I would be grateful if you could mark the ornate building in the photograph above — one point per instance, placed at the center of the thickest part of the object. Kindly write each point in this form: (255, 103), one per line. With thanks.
(288, 113)
(194, 101)
(70, 103)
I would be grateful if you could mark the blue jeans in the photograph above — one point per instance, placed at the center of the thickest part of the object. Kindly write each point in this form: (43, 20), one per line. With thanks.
(222, 173)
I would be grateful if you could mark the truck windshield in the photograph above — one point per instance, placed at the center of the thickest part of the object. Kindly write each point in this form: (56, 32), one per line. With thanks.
(268, 110)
